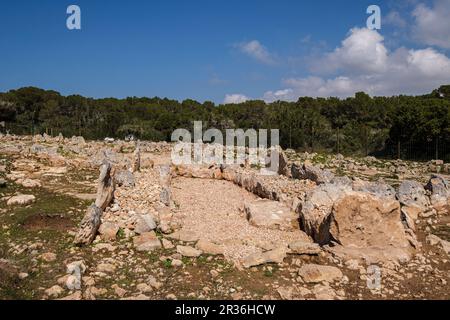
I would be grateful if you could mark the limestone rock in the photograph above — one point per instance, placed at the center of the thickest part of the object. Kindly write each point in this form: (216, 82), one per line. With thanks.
(147, 242)
(362, 220)
(316, 208)
(209, 247)
(313, 173)
(412, 193)
(124, 178)
(271, 214)
(440, 193)
(29, 183)
(187, 251)
(378, 188)
(145, 223)
(185, 236)
(21, 200)
(306, 248)
(106, 186)
(108, 231)
(89, 226)
(314, 273)
(273, 256)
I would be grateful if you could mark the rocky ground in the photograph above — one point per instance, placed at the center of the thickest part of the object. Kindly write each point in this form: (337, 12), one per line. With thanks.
(326, 227)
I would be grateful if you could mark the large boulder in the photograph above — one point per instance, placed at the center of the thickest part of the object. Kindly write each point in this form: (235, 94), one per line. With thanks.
(378, 188)
(271, 214)
(21, 200)
(440, 193)
(89, 226)
(258, 258)
(309, 172)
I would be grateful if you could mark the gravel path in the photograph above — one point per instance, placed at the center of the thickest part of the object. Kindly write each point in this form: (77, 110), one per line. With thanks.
(212, 209)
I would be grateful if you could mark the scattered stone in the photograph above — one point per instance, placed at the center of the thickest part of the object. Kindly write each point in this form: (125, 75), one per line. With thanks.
(30, 183)
(147, 241)
(187, 251)
(209, 247)
(440, 193)
(74, 296)
(124, 178)
(145, 223)
(48, 257)
(54, 291)
(271, 214)
(184, 236)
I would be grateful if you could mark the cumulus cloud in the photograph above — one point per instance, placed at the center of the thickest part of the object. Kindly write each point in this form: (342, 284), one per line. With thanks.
(432, 24)
(256, 50)
(363, 63)
(235, 98)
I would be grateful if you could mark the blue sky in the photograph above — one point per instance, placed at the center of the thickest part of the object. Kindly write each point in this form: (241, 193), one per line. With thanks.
(216, 50)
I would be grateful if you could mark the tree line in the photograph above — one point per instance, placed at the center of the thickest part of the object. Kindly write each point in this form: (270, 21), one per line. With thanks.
(399, 126)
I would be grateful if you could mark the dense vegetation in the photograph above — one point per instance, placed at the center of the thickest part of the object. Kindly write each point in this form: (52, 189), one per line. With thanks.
(405, 126)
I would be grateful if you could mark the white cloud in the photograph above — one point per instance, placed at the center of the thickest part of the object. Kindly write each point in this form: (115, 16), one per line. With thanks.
(256, 50)
(235, 98)
(363, 63)
(432, 24)
(394, 18)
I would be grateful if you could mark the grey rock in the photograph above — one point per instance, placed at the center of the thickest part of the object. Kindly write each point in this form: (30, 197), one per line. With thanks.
(271, 214)
(106, 186)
